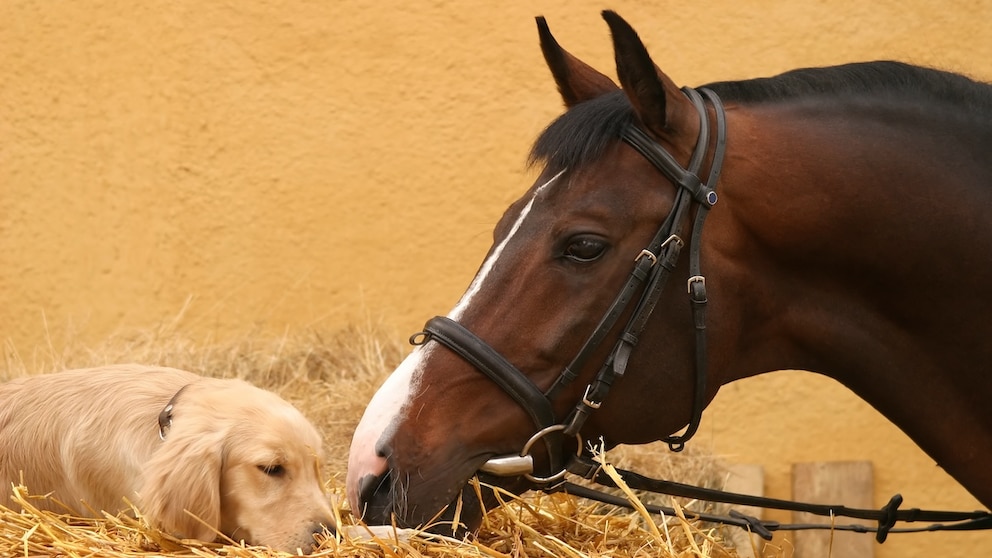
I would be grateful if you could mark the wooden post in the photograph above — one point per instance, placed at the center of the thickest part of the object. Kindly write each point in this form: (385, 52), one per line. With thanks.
(746, 478)
(837, 482)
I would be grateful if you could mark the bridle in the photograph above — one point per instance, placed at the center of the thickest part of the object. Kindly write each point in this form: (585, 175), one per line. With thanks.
(652, 268)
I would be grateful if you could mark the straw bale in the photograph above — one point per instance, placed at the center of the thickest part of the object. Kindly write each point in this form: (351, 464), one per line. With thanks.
(330, 376)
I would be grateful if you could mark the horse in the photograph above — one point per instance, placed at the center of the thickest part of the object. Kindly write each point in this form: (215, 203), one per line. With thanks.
(832, 220)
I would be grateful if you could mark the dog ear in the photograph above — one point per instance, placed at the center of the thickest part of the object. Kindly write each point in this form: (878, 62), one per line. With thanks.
(181, 488)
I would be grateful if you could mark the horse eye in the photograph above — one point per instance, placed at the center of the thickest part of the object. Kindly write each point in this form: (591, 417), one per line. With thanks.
(272, 470)
(584, 249)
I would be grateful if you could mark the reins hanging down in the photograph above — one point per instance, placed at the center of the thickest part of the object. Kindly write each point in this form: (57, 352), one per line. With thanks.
(886, 517)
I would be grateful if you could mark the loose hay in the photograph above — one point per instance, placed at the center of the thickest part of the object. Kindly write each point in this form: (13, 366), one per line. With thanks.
(535, 525)
(330, 377)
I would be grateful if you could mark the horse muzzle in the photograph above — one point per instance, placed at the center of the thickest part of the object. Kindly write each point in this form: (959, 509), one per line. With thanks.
(453, 509)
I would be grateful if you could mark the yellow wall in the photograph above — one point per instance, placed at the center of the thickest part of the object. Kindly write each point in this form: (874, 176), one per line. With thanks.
(291, 163)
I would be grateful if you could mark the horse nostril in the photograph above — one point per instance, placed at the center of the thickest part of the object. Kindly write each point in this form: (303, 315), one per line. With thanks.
(382, 449)
(375, 498)
(370, 484)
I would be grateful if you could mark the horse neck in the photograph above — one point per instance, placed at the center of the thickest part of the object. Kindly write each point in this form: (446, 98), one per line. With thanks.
(848, 250)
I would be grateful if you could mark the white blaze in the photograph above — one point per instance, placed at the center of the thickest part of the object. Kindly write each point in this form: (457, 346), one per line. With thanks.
(396, 392)
(490, 262)
(391, 396)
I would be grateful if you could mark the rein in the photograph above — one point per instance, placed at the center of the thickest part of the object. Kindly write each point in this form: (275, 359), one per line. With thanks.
(886, 517)
(652, 268)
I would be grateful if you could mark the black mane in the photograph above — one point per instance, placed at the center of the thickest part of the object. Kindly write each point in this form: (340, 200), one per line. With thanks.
(583, 133)
(885, 78)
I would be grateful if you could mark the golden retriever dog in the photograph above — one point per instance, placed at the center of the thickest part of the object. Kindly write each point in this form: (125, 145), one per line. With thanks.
(196, 455)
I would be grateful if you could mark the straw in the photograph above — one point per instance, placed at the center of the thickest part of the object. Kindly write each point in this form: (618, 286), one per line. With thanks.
(330, 375)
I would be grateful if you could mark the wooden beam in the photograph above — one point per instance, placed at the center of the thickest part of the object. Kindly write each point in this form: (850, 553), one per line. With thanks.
(837, 482)
(746, 478)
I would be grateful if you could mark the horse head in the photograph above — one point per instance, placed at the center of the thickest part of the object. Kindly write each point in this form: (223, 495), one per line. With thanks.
(560, 255)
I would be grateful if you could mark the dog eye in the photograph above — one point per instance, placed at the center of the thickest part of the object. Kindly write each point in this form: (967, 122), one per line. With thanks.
(272, 470)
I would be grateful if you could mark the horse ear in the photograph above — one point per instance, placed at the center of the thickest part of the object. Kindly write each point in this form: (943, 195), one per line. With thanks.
(654, 95)
(577, 81)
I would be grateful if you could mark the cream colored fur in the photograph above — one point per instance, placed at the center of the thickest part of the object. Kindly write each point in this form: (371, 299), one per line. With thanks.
(91, 438)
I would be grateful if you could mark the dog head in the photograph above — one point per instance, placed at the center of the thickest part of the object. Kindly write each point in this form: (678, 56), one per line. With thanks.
(238, 461)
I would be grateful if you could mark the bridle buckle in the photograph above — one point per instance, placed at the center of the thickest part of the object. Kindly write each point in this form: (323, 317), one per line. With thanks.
(645, 253)
(588, 402)
(694, 279)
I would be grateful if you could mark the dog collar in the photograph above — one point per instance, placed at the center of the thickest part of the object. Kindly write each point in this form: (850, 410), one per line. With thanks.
(165, 417)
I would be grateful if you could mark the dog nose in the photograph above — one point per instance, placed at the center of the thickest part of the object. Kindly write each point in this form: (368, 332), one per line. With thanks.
(316, 533)
(322, 526)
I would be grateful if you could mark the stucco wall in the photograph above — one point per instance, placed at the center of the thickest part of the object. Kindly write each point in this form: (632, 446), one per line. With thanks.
(291, 163)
